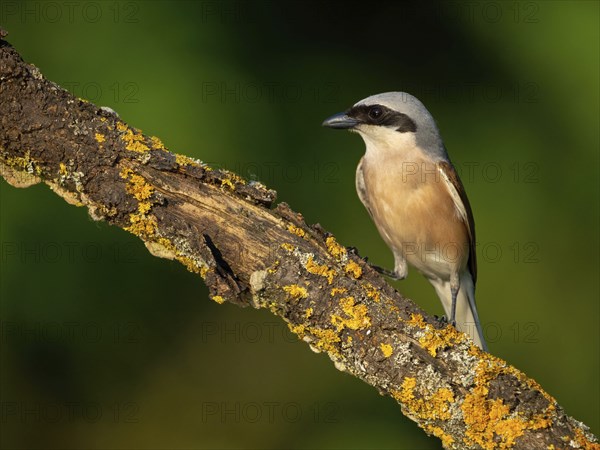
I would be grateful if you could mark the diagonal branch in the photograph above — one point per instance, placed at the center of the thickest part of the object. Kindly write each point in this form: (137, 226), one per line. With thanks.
(223, 228)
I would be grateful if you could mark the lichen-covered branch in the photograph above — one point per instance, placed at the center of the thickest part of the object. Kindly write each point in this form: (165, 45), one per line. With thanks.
(224, 229)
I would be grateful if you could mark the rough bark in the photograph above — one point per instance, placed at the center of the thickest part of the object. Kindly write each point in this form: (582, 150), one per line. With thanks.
(223, 228)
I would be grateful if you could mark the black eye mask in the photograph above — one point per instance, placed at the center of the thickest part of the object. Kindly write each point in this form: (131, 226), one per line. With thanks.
(380, 115)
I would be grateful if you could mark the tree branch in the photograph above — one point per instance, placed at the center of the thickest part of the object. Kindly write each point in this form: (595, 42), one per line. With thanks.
(223, 228)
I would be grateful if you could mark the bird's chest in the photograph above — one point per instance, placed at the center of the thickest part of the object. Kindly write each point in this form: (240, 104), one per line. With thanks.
(409, 201)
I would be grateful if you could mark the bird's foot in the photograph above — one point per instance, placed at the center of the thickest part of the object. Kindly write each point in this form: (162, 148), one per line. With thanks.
(388, 273)
(444, 321)
(354, 251)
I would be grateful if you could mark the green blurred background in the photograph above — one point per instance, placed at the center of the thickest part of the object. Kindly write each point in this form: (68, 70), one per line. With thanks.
(104, 346)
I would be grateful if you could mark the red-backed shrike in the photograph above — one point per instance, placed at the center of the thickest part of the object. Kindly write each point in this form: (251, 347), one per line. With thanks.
(416, 199)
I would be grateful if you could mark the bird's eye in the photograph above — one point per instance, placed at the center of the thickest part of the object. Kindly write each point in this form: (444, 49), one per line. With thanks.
(375, 112)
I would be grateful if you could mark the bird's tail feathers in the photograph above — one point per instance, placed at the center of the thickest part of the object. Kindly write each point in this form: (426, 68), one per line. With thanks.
(467, 319)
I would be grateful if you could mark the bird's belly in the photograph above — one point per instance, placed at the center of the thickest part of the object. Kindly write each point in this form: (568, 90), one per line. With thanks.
(420, 222)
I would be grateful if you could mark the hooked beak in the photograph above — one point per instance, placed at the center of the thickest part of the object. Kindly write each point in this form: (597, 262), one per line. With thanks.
(341, 121)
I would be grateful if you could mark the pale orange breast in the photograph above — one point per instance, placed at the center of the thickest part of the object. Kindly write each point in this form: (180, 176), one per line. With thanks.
(415, 213)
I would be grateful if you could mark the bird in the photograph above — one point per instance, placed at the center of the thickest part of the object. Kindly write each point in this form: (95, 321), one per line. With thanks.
(416, 199)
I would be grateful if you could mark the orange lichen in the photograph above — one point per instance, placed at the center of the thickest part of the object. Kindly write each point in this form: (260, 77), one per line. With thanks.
(336, 290)
(582, 441)
(372, 292)
(325, 339)
(446, 439)
(308, 312)
(100, 138)
(289, 247)
(139, 188)
(26, 165)
(217, 298)
(183, 160)
(189, 263)
(356, 316)
(394, 308)
(405, 394)
(487, 418)
(125, 172)
(335, 249)
(142, 225)
(426, 405)
(416, 320)
(296, 230)
(490, 424)
(435, 339)
(157, 143)
(273, 267)
(144, 207)
(322, 270)
(202, 272)
(298, 329)
(234, 177)
(134, 140)
(141, 191)
(386, 349)
(227, 182)
(353, 269)
(295, 291)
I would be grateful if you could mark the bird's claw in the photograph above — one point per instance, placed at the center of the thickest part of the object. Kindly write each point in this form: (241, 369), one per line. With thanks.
(354, 251)
(385, 272)
(444, 321)
(441, 319)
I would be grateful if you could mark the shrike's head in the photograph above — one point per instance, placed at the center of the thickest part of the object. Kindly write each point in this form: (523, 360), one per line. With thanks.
(391, 122)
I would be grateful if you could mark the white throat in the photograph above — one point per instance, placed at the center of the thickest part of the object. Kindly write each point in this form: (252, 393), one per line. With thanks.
(383, 143)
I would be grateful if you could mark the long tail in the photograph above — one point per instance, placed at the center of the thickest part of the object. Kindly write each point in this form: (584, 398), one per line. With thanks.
(467, 319)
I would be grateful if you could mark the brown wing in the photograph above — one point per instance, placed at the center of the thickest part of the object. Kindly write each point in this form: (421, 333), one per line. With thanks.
(462, 204)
